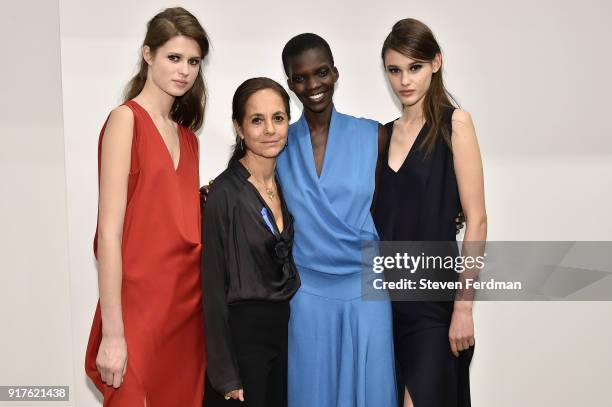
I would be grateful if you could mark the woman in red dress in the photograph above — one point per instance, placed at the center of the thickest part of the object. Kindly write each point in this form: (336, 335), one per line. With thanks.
(146, 345)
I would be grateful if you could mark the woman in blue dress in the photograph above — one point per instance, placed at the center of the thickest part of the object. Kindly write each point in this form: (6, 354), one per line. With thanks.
(340, 346)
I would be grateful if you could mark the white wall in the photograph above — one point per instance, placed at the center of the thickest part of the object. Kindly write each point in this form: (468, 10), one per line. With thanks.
(533, 75)
(35, 312)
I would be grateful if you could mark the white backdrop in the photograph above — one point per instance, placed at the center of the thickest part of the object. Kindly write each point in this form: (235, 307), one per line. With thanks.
(35, 321)
(534, 75)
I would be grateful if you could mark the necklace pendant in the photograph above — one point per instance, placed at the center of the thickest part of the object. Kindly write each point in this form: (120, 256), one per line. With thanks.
(270, 193)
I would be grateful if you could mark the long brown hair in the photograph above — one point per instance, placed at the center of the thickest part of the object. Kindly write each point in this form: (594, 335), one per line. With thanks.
(187, 110)
(413, 39)
(241, 97)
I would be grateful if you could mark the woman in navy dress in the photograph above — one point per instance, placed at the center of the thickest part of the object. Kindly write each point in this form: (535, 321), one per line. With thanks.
(429, 171)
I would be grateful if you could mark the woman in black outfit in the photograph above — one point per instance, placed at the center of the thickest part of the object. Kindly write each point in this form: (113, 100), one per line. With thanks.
(248, 274)
(430, 170)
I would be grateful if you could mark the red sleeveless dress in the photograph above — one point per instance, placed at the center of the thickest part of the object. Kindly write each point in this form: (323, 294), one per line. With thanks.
(161, 292)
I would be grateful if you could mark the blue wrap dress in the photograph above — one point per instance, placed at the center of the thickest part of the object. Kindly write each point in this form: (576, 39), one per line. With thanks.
(340, 346)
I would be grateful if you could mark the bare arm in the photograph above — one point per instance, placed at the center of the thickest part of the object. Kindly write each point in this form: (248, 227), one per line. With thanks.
(114, 172)
(470, 181)
(470, 178)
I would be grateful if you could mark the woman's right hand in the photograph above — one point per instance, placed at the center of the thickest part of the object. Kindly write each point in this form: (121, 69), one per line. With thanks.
(235, 394)
(112, 360)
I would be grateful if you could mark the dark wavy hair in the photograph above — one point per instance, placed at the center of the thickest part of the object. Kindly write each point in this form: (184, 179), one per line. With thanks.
(415, 40)
(241, 97)
(188, 109)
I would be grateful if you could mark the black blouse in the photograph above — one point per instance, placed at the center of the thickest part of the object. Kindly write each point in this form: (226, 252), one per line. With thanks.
(244, 258)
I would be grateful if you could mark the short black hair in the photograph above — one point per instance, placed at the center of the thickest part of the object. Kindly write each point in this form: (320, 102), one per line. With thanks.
(304, 42)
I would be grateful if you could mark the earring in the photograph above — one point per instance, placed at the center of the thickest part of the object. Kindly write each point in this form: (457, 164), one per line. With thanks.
(241, 143)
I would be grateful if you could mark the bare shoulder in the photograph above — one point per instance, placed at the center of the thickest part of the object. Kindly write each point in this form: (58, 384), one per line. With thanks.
(464, 133)
(121, 116)
(462, 118)
(120, 125)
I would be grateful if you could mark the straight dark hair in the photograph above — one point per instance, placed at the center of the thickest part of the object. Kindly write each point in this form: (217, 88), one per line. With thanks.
(241, 97)
(414, 39)
(187, 110)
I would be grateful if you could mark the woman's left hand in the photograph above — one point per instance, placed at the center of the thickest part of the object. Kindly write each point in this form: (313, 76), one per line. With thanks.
(461, 332)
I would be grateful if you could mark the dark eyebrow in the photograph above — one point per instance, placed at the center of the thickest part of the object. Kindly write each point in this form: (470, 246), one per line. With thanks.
(181, 55)
(313, 70)
(410, 64)
(273, 114)
(321, 67)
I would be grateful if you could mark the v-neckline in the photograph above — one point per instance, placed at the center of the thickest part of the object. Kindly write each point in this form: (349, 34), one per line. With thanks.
(277, 232)
(271, 213)
(324, 163)
(410, 150)
(161, 138)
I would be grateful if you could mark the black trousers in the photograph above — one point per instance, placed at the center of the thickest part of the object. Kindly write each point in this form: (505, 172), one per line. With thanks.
(259, 335)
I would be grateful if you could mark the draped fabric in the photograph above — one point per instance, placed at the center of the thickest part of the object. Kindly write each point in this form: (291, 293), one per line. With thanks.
(160, 286)
(340, 346)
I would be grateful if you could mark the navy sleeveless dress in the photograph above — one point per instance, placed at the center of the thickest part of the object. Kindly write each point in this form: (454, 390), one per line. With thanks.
(420, 202)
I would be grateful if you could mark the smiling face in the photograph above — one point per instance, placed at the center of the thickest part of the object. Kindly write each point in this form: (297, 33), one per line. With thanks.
(265, 124)
(410, 79)
(312, 76)
(174, 66)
